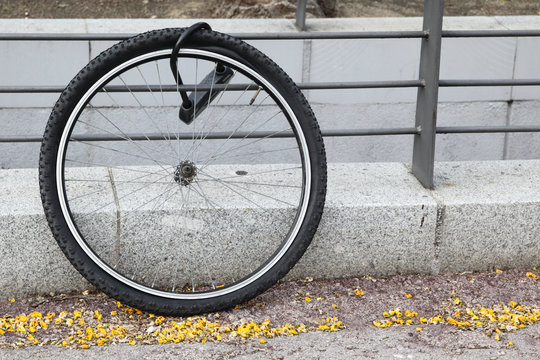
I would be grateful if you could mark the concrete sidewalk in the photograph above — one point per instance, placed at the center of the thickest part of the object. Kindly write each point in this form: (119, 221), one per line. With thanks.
(378, 220)
(369, 343)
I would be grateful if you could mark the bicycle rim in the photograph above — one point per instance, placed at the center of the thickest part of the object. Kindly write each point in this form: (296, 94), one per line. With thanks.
(140, 219)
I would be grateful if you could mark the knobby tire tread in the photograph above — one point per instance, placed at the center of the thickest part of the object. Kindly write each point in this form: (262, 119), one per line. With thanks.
(130, 48)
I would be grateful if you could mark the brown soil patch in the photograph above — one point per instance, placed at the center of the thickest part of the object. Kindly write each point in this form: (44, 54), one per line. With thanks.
(58, 9)
(312, 303)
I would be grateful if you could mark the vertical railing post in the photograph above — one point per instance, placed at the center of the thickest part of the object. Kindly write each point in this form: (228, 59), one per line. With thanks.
(426, 103)
(301, 14)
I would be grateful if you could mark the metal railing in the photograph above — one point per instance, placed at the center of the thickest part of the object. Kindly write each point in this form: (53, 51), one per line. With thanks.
(428, 84)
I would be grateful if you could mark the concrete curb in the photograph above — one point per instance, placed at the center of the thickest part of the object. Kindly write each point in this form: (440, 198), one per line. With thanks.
(378, 220)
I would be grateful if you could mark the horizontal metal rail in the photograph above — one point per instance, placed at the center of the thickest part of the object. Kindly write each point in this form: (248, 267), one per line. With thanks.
(216, 135)
(314, 35)
(303, 86)
(489, 33)
(490, 82)
(486, 129)
(322, 35)
(284, 134)
(235, 87)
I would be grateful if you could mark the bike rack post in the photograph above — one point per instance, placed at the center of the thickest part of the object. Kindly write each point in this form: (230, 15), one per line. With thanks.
(426, 101)
(301, 14)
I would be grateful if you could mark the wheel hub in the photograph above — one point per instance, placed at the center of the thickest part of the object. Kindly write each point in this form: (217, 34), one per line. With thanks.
(185, 173)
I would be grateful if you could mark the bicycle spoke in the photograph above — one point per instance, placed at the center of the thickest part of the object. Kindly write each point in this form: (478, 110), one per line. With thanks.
(219, 120)
(209, 226)
(194, 104)
(147, 219)
(211, 112)
(205, 164)
(147, 86)
(183, 150)
(256, 173)
(124, 136)
(201, 255)
(253, 153)
(179, 246)
(160, 84)
(261, 184)
(122, 197)
(122, 181)
(128, 117)
(99, 190)
(244, 197)
(146, 112)
(251, 132)
(207, 105)
(119, 151)
(113, 167)
(239, 126)
(127, 218)
(155, 99)
(253, 191)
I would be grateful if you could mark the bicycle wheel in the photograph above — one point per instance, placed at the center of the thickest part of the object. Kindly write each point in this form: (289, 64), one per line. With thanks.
(179, 217)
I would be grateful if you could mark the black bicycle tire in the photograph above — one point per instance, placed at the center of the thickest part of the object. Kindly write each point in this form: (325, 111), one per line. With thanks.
(130, 48)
